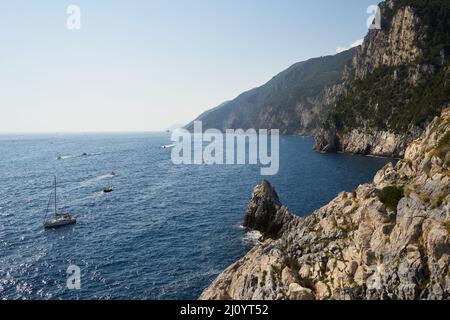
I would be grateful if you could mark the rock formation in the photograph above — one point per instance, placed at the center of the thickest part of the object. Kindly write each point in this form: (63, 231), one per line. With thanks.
(265, 212)
(389, 239)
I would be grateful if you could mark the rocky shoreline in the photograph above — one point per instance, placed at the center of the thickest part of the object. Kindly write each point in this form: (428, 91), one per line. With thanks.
(389, 239)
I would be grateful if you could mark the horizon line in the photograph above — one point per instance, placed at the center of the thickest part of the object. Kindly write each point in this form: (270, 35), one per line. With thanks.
(79, 132)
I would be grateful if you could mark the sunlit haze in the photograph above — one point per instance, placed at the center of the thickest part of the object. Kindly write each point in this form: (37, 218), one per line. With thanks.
(147, 65)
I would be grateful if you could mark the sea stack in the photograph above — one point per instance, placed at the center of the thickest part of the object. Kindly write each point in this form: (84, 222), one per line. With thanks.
(265, 213)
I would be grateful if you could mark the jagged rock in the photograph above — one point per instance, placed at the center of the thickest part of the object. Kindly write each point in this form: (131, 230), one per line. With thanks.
(353, 247)
(297, 292)
(393, 46)
(265, 212)
(326, 140)
(287, 276)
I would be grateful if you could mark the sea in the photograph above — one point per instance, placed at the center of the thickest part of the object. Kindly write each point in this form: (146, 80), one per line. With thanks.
(165, 232)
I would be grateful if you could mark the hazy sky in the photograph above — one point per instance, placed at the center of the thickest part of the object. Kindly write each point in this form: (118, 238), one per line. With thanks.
(146, 65)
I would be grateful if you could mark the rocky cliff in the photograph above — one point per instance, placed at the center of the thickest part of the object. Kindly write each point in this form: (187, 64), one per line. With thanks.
(389, 239)
(399, 80)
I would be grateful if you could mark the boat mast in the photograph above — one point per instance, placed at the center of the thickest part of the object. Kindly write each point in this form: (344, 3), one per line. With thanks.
(55, 198)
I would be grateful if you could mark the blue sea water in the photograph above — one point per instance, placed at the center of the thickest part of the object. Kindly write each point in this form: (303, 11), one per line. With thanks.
(164, 233)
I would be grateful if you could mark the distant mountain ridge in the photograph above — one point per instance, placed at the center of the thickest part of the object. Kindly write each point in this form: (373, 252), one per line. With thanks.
(295, 101)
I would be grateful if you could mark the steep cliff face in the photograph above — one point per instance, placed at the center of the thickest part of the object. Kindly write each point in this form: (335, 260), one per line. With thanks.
(398, 43)
(265, 212)
(389, 239)
(367, 141)
(296, 101)
(399, 81)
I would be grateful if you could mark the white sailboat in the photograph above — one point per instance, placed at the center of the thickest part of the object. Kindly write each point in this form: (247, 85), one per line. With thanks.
(59, 219)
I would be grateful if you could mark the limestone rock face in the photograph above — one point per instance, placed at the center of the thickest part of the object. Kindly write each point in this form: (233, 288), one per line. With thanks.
(367, 142)
(265, 212)
(356, 247)
(391, 59)
(392, 46)
(326, 140)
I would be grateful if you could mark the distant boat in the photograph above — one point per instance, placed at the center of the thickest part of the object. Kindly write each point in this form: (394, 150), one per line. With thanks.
(59, 219)
(167, 146)
(109, 188)
(59, 158)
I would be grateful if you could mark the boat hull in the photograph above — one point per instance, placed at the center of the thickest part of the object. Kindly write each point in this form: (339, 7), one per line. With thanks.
(51, 224)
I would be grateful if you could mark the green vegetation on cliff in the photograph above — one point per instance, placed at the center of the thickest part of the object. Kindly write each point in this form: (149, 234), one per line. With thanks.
(386, 100)
(400, 98)
(432, 13)
(390, 196)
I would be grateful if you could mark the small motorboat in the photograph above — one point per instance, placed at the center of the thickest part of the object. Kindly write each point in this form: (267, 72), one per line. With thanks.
(109, 188)
(59, 219)
(59, 158)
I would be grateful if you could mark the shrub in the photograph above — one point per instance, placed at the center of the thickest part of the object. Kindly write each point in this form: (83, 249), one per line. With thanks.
(443, 146)
(263, 279)
(424, 197)
(438, 202)
(390, 196)
(446, 225)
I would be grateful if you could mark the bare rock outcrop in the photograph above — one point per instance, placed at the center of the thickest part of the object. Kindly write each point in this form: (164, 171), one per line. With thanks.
(394, 46)
(265, 212)
(366, 142)
(389, 239)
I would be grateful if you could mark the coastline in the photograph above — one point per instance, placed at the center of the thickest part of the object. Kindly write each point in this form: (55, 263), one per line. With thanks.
(359, 246)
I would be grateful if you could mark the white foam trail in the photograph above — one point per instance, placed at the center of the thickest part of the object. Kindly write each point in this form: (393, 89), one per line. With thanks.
(65, 157)
(105, 176)
(167, 146)
(252, 237)
(71, 156)
(96, 179)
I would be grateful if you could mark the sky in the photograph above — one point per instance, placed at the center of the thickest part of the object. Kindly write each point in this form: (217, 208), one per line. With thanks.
(145, 65)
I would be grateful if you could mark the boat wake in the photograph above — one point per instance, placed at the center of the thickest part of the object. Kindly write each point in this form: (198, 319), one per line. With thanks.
(252, 237)
(105, 176)
(71, 156)
(97, 179)
(65, 157)
(168, 146)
